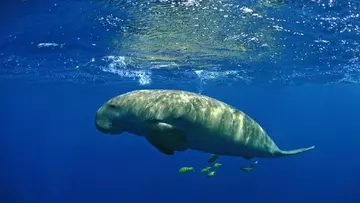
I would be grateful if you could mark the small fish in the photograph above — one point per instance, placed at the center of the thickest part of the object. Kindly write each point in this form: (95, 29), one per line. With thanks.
(213, 158)
(246, 169)
(211, 174)
(77, 67)
(253, 165)
(217, 165)
(186, 169)
(207, 169)
(249, 168)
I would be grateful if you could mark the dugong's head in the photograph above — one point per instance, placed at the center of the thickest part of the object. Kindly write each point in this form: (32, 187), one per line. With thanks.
(107, 118)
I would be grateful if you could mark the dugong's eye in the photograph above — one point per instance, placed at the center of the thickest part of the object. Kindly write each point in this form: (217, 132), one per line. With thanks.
(112, 106)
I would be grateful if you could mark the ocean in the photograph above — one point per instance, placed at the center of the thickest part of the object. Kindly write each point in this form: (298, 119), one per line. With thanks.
(293, 66)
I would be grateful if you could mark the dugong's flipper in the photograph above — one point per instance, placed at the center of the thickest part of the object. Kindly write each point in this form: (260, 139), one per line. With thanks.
(213, 158)
(166, 138)
(293, 152)
(153, 139)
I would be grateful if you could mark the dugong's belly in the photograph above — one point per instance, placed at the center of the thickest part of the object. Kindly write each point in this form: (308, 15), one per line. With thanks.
(215, 144)
(235, 135)
(218, 144)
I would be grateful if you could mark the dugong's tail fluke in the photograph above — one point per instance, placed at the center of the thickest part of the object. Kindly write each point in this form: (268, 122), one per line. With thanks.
(295, 151)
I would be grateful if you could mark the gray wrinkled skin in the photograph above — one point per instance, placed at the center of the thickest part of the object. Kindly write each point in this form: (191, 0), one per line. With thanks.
(209, 125)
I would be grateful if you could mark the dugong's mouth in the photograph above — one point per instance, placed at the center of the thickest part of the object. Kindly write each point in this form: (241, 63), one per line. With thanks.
(102, 128)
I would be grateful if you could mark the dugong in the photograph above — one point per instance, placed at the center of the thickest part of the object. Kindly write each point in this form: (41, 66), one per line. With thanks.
(174, 120)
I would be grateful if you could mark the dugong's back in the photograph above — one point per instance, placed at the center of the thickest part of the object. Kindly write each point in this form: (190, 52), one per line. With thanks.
(173, 105)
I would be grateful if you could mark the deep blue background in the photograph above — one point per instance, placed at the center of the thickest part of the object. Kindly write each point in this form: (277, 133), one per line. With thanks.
(51, 151)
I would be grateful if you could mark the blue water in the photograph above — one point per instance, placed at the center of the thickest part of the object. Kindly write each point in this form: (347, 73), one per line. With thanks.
(57, 68)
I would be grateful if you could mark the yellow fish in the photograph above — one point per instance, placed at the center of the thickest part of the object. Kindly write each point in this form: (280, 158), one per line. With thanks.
(217, 165)
(186, 169)
(211, 174)
(207, 169)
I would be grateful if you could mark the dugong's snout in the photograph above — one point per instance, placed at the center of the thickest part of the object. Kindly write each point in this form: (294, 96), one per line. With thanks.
(100, 127)
(101, 122)
(105, 121)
